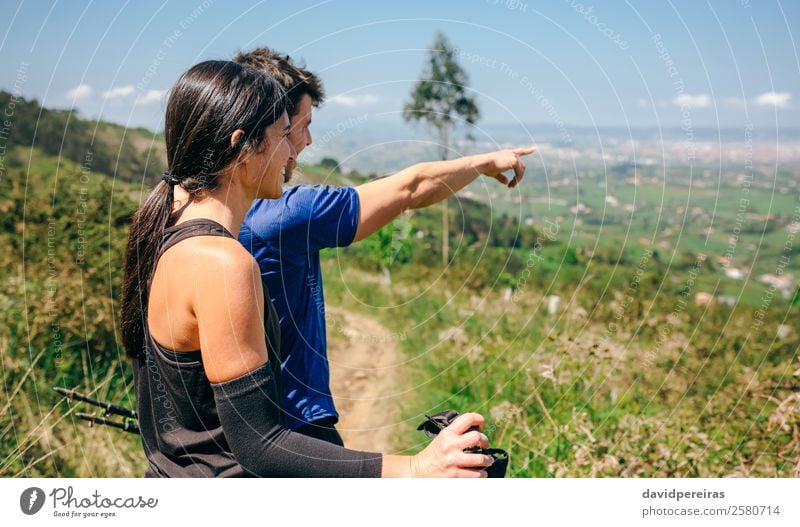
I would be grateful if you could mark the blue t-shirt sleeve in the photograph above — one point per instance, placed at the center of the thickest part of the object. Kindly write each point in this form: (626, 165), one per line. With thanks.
(317, 217)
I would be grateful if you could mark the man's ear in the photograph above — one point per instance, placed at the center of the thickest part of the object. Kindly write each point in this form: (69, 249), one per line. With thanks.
(236, 136)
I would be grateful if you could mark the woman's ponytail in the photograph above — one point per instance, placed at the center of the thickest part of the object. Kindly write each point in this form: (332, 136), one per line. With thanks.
(144, 239)
(207, 105)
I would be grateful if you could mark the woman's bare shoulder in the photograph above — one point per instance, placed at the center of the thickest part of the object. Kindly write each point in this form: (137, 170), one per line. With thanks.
(204, 254)
(208, 267)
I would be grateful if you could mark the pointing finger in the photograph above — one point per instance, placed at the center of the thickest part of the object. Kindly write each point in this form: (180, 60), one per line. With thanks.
(524, 151)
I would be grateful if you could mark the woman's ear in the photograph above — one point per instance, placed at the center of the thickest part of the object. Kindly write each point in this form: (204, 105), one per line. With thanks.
(236, 136)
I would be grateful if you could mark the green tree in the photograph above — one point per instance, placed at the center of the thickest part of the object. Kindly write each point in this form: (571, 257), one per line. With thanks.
(390, 244)
(330, 164)
(441, 101)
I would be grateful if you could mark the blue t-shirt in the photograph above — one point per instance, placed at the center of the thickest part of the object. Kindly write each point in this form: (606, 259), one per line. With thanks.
(285, 236)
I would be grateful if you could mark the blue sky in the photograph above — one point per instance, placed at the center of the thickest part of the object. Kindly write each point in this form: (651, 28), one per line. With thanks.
(581, 63)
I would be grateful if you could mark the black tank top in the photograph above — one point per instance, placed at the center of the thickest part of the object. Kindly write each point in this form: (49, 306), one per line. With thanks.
(181, 432)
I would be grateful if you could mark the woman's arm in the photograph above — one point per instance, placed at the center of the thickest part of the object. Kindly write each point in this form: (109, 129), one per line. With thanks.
(229, 305)
(249, 411)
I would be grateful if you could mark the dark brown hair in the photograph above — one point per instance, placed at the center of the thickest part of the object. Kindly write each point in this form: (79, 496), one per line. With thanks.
(296, 80)
(207, 105)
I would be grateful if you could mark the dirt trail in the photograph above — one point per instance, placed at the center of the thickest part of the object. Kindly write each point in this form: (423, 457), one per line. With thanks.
(365, 375)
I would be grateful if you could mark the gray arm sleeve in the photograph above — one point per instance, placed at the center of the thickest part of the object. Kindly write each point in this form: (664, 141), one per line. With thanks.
(252, 423)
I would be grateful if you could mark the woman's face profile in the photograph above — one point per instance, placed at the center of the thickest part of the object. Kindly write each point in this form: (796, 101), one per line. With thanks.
(266, 167)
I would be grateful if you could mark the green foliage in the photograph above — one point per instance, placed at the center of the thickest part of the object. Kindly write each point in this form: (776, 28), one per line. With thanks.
(390, 244)
(440, 98)
(65, 237)
(329, 163)
(131, 154)
(612, 386)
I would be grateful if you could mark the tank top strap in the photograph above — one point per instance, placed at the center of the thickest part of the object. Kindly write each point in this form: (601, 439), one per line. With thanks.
(189, 229)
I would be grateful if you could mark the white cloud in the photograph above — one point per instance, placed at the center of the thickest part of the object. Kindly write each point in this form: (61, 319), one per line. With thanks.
(354, 100)
(777, 99)
(693, 101)
(119, 91)
(151, 96)
(81, 91)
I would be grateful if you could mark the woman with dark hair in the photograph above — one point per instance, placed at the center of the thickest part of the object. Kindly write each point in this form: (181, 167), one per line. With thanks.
(196, 322)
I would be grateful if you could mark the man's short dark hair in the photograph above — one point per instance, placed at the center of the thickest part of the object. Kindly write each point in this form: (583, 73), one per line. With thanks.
(296, 80)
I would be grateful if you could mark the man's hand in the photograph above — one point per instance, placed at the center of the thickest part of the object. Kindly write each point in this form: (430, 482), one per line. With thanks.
(503, 160)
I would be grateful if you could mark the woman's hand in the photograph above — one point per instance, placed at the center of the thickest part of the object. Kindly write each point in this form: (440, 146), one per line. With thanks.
(495, 163)
(445, 456)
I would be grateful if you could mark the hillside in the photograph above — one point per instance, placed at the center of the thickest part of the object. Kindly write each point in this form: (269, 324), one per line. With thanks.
(587, 358)
(64, 228)
(133, 155)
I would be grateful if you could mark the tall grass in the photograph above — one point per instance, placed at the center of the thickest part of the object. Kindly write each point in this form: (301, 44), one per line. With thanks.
(715, 397)
(64, 229)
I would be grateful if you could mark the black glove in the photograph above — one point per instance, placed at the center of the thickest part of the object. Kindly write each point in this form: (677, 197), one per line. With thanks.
(437, 422)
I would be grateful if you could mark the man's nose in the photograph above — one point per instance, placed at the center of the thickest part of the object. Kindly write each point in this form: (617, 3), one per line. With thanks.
(308, 138)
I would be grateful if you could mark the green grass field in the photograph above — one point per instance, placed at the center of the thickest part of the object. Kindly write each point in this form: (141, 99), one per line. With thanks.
(630, 377)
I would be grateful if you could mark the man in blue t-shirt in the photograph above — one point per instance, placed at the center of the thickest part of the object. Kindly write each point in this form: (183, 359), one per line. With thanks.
(285, 236)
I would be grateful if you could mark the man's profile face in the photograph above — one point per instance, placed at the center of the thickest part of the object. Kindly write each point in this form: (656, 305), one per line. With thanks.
(300, 135)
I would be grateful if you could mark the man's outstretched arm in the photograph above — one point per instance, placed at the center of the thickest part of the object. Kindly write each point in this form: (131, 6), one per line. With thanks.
(424, 184)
